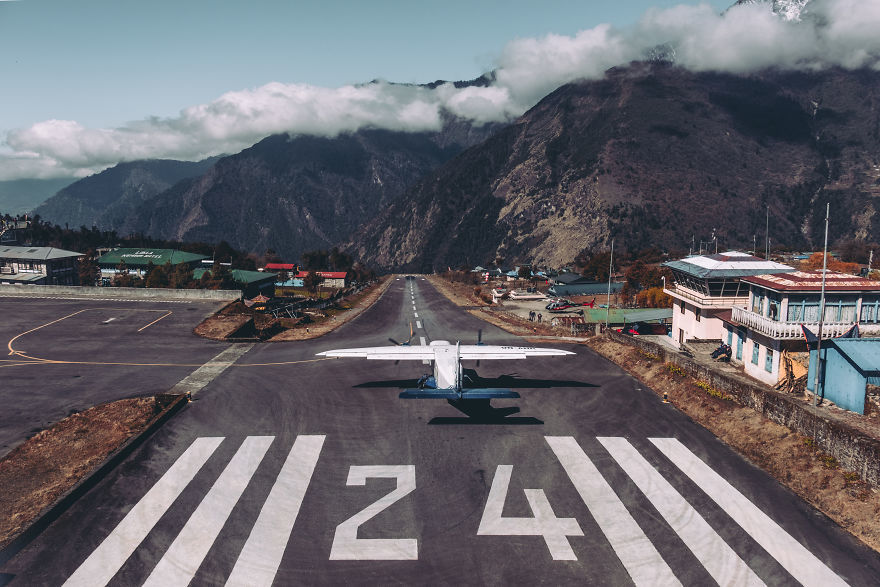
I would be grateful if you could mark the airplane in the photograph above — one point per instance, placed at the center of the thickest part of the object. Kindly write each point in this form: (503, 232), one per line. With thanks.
(448, 377)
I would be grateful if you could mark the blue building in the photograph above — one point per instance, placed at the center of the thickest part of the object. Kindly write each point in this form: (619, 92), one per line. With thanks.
(849, 364)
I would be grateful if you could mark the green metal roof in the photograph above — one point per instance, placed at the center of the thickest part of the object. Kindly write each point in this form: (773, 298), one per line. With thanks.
(625, 315)
(143, 257)
(241, 276)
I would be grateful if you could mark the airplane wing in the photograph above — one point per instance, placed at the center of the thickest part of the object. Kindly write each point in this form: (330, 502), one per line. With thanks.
(485, 351)
(467, 352)
(384, 353)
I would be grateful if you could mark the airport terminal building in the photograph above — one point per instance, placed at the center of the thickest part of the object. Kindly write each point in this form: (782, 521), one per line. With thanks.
(136, 260)
(38, 266)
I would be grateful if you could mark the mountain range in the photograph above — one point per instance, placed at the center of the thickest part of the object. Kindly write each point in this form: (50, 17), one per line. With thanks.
(650, 155)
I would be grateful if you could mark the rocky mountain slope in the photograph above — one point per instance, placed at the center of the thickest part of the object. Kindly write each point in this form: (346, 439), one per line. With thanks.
(301, 193)
(652, 154)
(109, 199)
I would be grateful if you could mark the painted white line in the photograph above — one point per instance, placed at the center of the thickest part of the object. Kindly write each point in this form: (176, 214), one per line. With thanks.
(415, 314)
(710, 549)
(182, 559)
(111, 554)
(198, 379)
(790, 553)
(418, 323)
(639, 557)
(259, 559)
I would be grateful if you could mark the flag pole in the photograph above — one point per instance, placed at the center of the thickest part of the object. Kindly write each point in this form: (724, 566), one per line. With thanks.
(610, 267)
(818, 376)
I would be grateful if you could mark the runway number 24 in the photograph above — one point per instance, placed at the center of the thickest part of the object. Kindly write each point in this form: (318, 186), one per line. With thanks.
(347, 546)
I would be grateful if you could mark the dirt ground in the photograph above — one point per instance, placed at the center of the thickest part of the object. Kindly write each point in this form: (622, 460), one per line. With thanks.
(235, 318)
(789, 457)
(47, 465)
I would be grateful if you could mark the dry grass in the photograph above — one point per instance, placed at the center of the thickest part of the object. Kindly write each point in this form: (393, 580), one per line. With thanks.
(44, 467)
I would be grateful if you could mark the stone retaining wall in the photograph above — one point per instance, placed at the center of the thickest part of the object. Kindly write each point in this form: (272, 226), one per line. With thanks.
(854, 449)
(220, 295)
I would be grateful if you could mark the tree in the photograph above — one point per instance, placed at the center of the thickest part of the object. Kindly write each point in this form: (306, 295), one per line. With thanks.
(87, 269)
(282, 276)
(311, 281)
(158, 277)
(181, 277)
(596, 266)
(815, 262)
(315, 260)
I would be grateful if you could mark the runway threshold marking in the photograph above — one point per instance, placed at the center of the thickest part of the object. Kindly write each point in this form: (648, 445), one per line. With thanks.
(710, 549)
(260, 558)
(791, 554)
(638, 555)
(261, 555)
(106, 560)
(180, 562)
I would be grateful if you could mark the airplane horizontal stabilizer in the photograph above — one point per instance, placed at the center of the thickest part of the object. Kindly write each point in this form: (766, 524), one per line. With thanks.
(477, 393)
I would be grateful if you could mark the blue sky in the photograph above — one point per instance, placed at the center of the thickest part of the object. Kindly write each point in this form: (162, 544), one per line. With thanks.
(106, 62)
(86, 84)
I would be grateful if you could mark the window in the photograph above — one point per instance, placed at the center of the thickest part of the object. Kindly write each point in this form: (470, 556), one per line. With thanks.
(682, 306)
(768, 361)
(730, 336)
(870, 311)
(758, 304)
(697, 314)
(756, 348)
(773, 310)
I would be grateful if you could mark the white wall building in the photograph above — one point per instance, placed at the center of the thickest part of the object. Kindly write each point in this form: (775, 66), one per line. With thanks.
(38, 266)
(706, 285)
(768, 321)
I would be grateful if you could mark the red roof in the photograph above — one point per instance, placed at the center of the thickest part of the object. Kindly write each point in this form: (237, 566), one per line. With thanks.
(812, 281)
(286, 266)
(324, 274)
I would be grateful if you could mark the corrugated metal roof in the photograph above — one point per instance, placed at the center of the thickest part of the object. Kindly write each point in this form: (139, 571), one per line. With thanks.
(143, 257)
(729, 264)
(240, 275)
(863, 352)
(812, 281)
(36, 253)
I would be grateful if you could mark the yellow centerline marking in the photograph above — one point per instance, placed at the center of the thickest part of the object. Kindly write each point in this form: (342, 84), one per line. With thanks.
(41, 361)
(154, 321)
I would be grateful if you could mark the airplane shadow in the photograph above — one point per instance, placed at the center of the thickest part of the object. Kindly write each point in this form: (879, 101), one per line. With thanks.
(479, 411)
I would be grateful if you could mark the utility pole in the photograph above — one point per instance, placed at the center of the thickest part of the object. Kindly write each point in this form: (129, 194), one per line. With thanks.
(818, 377)
(767, 233)
(610, 267)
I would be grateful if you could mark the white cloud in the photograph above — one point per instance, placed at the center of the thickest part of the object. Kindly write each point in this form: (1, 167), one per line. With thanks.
(745, 38)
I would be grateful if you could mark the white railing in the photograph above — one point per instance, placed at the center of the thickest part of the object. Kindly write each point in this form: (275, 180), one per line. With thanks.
(704, 300)
(792, 330)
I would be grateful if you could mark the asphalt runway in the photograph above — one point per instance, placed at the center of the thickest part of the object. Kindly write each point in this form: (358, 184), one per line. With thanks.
(292, 469)
(57, 353)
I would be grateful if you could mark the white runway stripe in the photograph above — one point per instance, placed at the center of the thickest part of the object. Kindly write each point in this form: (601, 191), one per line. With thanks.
(639, 557)
(259, 559)
(182, 559)
(790, 553)
(715, 555)
(106, 560)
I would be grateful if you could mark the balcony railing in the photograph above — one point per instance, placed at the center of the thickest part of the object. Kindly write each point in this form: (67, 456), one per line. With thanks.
(792, 330)
(705, 301)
